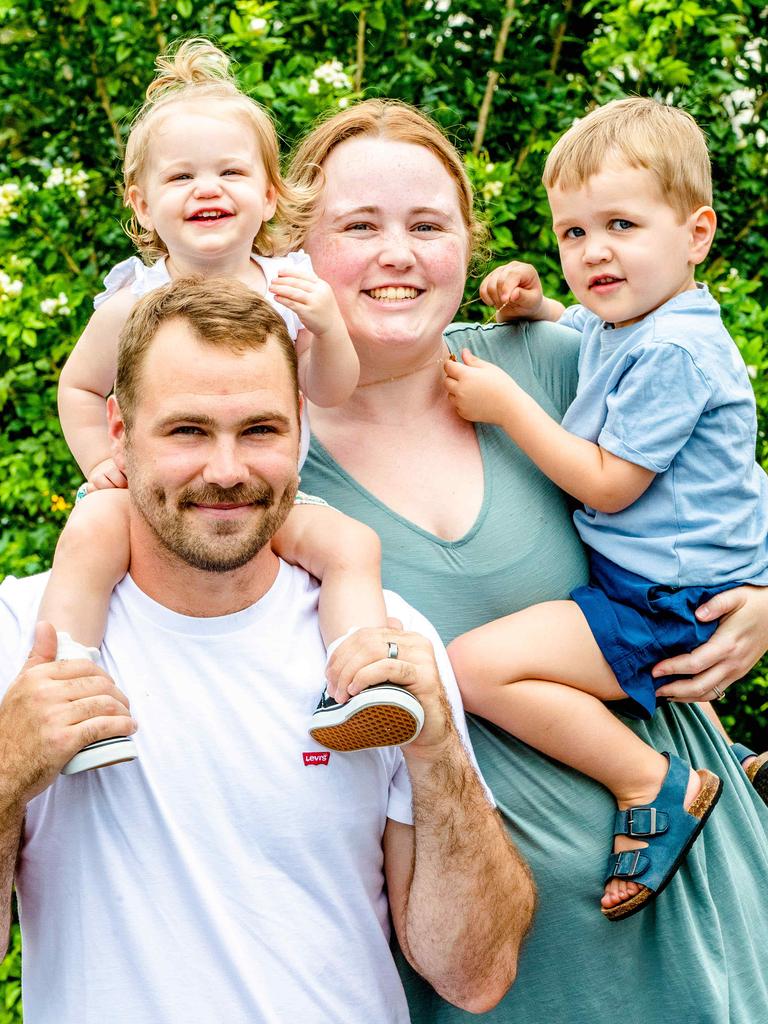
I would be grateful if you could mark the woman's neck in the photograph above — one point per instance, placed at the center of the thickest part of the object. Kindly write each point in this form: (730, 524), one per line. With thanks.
(383, 399)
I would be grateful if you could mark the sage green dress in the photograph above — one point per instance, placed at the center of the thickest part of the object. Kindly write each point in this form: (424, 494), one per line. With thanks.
(698, 955)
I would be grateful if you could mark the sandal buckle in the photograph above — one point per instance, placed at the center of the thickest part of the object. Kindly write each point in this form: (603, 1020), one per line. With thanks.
(626, 864)
(642, 821)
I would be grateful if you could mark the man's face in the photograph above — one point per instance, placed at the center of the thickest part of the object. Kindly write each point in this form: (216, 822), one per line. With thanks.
(211, 456)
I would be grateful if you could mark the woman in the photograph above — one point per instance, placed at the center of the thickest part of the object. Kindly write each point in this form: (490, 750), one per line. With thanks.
(471, 531)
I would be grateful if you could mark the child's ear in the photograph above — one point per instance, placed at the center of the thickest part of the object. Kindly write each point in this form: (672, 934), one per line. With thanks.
(703, 223)
(138, 204)
(270, 203)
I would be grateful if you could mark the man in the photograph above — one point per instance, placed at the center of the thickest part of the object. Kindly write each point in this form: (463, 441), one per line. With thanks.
(235, 871)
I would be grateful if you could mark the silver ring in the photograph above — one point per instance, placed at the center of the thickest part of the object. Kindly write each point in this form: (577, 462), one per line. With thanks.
(719, 694)
(393, 650)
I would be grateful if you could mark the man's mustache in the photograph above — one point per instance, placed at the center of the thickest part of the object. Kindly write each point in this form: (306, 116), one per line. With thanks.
(241, 495)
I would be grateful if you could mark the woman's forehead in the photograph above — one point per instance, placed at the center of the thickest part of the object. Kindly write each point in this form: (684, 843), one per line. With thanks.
(370, 172)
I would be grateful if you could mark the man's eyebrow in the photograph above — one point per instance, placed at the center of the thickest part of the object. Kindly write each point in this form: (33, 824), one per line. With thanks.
(201, 420)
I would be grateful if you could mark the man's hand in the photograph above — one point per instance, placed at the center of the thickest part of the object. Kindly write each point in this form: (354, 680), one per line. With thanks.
(515, 291)
(479, 391)
(362, 661)
(51, 711)
(310, 298)
(106, 474)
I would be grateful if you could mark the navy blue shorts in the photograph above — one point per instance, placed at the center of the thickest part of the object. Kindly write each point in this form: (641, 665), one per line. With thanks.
(636, 623)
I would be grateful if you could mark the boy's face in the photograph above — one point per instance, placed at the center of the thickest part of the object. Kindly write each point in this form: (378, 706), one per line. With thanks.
(623, 249)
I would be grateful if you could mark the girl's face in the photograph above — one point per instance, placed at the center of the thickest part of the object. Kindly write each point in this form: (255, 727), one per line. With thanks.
(204, 189)
(392, 243)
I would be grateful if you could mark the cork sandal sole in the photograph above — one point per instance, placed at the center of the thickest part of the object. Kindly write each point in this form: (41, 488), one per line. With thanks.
(701, 808)
(757, 773)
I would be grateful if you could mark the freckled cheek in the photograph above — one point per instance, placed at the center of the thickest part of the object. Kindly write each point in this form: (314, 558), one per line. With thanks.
(337, 262)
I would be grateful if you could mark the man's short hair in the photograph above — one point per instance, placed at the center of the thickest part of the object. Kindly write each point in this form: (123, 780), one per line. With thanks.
(222, 312)
(643, 133)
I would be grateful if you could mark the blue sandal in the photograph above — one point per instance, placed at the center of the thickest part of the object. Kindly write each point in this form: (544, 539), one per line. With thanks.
(757, 772)
(670, 830)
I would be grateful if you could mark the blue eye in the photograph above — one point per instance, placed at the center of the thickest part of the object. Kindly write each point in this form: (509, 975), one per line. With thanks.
(574, 233)
(620, 224)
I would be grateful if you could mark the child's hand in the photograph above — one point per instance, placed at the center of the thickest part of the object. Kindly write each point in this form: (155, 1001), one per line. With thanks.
(106, 474)
(310, 298)
(479, 390)
(515, 290)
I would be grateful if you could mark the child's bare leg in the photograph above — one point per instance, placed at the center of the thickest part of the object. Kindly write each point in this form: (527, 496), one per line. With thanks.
(540, 675)
(91, 557)
(345, 556)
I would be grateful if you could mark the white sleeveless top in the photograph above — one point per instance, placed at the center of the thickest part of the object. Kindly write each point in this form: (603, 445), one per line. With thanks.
(141, 280)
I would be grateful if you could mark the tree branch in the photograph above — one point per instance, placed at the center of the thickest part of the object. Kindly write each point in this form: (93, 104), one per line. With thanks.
(493, 77)
(360, 51)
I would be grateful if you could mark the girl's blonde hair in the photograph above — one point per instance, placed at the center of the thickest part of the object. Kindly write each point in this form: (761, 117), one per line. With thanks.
(644, 133)
(380, 118)
(198, 70)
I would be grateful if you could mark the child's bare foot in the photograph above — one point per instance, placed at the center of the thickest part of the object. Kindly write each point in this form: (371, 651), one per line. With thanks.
(618, 890)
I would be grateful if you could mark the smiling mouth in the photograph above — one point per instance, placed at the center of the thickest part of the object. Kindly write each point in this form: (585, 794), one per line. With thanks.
(597, 282)
(210, 215)
(393, 294)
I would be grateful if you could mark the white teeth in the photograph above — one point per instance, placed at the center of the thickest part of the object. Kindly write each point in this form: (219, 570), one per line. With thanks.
(393, 294)
(209, 214)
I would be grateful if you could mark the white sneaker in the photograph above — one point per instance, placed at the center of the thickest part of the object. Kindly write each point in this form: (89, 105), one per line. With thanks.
(104, 752)
(384, 715)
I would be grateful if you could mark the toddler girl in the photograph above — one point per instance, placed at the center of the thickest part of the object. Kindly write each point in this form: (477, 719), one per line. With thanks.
(201, 175)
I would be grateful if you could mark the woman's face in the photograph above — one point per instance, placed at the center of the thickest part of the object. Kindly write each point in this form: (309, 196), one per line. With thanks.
(392, 244)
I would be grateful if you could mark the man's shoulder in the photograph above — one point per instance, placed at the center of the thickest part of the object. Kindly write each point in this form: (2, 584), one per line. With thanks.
(19, 601)
(22, 593)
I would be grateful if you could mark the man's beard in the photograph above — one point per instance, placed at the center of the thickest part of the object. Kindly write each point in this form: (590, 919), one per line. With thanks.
(230, 544)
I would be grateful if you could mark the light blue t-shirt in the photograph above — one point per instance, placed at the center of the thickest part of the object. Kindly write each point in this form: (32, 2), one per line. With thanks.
(671, 393)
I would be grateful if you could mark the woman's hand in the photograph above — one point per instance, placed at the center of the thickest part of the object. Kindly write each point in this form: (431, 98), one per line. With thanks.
(739, 642)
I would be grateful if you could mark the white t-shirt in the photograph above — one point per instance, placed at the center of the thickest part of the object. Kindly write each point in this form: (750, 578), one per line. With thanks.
(234, 872)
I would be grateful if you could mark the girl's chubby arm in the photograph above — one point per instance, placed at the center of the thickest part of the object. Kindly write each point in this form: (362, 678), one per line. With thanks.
(483, 392)
(328, 365)
(86, 380)
(516, 293)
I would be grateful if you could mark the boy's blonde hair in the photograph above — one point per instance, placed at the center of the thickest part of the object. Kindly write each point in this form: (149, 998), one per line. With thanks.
(385, 119)
(198, 70)
(644, 133)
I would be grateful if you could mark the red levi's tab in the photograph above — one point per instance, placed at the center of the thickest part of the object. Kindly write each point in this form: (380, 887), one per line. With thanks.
(316, 756)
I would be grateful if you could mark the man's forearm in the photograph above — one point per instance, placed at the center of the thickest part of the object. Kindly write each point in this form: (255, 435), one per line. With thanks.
(11, 825)
(472, 897)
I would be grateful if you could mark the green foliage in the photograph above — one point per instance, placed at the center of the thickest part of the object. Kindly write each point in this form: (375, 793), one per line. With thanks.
(72, 72)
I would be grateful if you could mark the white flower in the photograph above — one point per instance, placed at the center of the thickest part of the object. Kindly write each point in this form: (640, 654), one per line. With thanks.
(492, 189)
(67, 177)
(442, 5)
(56, 307)
(9, 193)
(457, 20)
(752, 371)
(333, 74)
(490, 168)
(9, 289)
(344, 102)
(257, 24)
(314, 87)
